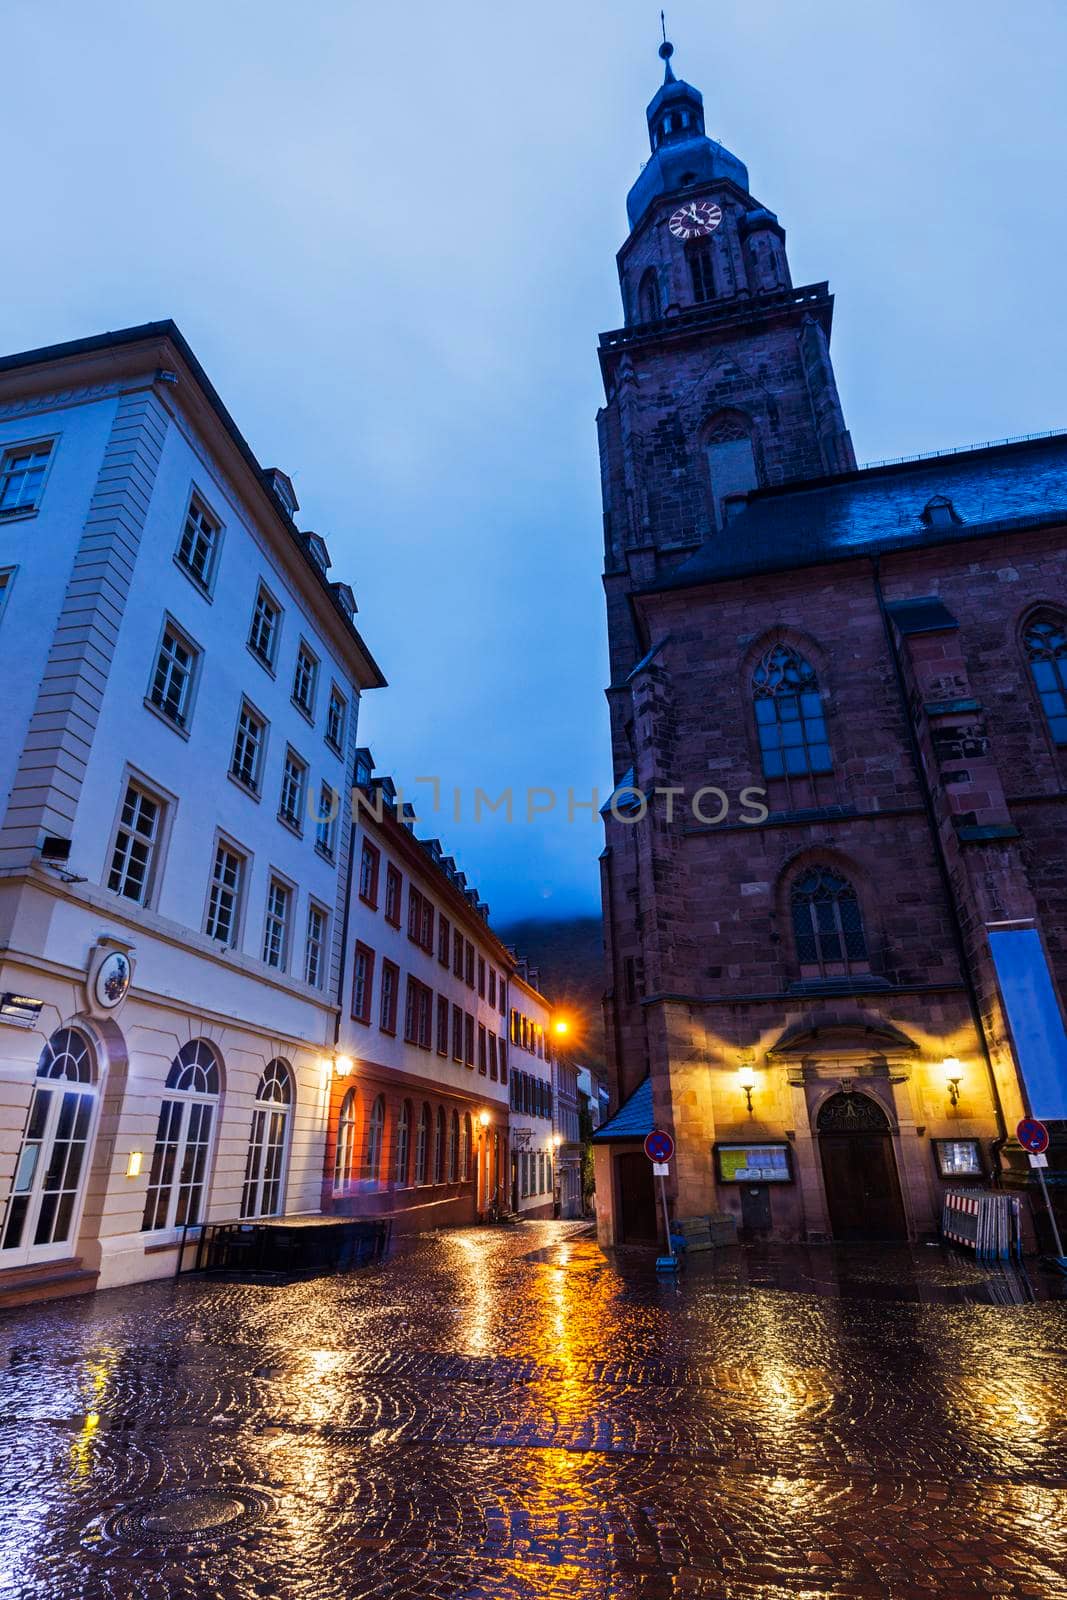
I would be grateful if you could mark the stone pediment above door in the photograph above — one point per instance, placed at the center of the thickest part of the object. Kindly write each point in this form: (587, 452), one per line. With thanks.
(844, 1045)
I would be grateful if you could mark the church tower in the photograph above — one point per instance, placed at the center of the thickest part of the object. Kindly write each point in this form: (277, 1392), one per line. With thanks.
(720, 380)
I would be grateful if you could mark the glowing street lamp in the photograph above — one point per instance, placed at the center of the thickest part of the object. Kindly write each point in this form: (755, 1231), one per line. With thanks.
(953, 1074)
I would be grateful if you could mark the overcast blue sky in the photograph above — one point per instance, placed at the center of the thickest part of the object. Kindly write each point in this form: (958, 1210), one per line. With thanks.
(389, 235)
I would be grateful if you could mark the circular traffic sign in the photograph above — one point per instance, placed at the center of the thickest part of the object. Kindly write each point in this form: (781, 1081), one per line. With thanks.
(659, 1146)
(1032, 1135)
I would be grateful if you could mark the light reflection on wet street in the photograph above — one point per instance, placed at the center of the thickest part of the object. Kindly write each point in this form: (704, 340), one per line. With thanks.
(507, 1413)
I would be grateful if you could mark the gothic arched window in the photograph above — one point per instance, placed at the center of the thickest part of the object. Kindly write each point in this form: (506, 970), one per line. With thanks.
(827, 924)
(465, 1153)
(178, 1176)
(648, 303)
(265, 1162)
(1045, 642)
(789, 715)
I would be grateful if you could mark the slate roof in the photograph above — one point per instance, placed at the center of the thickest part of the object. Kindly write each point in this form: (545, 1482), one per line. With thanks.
(994, 488)
(633, 1120)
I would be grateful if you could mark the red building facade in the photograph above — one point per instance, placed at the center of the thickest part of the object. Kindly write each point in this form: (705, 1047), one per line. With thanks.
(839, 730)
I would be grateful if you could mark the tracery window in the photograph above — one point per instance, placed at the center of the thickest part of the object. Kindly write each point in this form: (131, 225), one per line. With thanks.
(827, 924)
(789, 715)
(1045, 642)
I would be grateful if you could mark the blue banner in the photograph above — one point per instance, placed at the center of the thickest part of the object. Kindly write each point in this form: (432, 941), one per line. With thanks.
(1034, 1017)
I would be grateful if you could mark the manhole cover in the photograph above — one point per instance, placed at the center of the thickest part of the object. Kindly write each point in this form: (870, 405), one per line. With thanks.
(184, 1517)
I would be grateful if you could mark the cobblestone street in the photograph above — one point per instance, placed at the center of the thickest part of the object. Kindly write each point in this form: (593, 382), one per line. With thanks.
(507, 1413)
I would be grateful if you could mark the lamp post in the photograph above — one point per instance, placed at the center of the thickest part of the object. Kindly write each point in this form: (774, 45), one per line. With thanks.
(557, 1184)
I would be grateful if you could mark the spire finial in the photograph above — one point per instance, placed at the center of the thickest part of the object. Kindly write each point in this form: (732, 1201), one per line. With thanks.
(666, 50)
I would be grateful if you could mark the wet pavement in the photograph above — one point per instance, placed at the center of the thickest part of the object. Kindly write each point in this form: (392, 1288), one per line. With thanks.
(506, 1413)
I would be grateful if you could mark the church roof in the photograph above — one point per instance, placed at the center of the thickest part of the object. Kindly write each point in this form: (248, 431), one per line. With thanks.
(991, 489)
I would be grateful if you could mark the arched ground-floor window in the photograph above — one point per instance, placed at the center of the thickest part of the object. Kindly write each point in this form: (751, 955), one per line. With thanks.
(49, 1181)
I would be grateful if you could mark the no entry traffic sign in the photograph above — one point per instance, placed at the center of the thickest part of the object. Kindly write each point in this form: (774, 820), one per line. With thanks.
(659, 1146)
(1032, 1135)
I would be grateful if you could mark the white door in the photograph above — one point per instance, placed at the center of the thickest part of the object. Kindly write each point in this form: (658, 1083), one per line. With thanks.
(44, 1202)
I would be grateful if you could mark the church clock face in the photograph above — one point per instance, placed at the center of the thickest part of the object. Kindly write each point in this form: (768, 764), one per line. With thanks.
(696, 220)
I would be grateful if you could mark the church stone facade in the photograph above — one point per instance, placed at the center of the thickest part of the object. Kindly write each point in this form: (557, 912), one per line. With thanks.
(823, 969)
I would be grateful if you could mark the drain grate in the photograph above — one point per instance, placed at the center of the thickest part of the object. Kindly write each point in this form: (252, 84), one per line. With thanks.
(185, 1518)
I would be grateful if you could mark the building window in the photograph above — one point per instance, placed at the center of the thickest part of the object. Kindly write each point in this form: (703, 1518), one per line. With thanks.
(418, 1015)
(22, 475)
(492, 987)
(276, 924)
(789, 715)
(305, 679)
(827, 924)
(393, 890)
(700, 272)
(468, 1038)
(52, 1160)
(457, 1033)
(483, 1048)
(248, 745)
(439, 1147)
(444, 940)
(493, 1069)
(224, 897)
(465, 1150)
(369, 863)
(375, 1139)
(403, 1145)
(503, 1052)
(199, 544)
(171, 688)
(648, 306)
(294, 789)
(178, 1175)
(265, 1162)
(315, 947)
(344, 1159)
(442, 1025)
(453, 1147)
(481, 977)
(137, 839)
(362, 983)
(457, 954)
(1045, 641)
(326, 823)
(389, 996)
(422, 1144)
(502, 996)
(336, 712)
(468, 961)
(263, 635)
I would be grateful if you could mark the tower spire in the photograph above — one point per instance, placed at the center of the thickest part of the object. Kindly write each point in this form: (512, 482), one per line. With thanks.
(666, 50)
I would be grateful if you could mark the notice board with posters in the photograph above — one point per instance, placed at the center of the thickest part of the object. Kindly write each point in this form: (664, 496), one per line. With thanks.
(753, 1163)
(1034, 1017)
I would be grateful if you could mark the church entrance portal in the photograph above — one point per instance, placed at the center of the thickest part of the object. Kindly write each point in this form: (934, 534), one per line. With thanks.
(859, 1169)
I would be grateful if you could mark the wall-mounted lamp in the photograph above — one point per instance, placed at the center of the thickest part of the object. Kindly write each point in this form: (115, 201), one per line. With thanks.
(483, 1118)
(134, 1162)
(561, 1027)
(344, 1066)
(953, 1074)
(746, 1077)
(557, 1140)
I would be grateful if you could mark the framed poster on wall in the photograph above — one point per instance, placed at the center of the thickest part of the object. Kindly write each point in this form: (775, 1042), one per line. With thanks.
(753, 1163)
(958, 1158)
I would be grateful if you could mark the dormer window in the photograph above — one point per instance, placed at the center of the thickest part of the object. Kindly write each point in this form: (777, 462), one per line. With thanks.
(940, 513)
